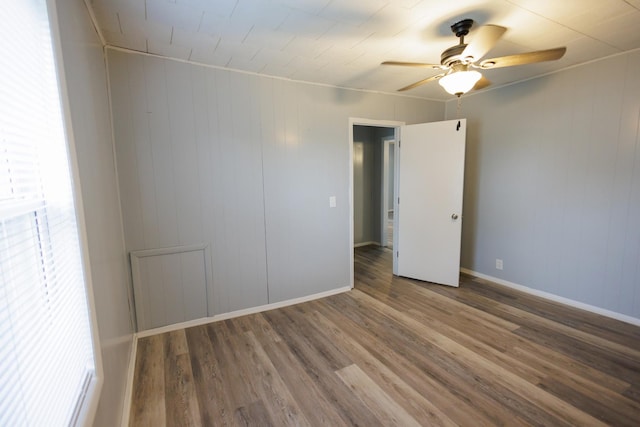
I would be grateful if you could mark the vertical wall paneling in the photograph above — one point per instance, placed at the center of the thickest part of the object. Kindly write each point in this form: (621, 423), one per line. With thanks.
(162, 153)
(245, 164)
(184, 151)
(552, 183)
(86, 78)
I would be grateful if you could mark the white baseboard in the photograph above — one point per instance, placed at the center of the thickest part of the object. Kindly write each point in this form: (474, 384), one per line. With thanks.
(238, 313)
(128, 390)
(556, 298)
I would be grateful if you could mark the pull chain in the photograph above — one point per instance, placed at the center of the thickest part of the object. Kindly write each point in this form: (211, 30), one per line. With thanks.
(458, 107)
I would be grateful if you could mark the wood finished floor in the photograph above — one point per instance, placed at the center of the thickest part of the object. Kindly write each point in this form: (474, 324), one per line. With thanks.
(395, 352)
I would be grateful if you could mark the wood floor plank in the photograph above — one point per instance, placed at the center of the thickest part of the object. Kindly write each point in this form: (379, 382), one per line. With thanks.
(616, 365)
(491, 372)
(603, 327)
(254, 414)
(395, 351)
(148, 405)
(237, 384)
(321, 370)
(527, 318)
(175, 343)
(181, 402)
(456, 392)
(210, 380)
(415, 403)
(554, 363)
(603, 406)
(384, 407)
(633, 392)
(319, 410)
(283, 407)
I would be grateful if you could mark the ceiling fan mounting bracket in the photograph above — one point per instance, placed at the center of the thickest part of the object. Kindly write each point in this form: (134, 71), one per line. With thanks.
(461, 28)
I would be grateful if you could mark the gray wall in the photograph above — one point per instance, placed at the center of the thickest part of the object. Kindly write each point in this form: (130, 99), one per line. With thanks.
(246, 164)
(87, 89)
(552, 183)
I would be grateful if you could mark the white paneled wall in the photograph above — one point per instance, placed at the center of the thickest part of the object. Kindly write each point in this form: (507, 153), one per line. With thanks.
(243, 163)
(86, 80)
(553, 183)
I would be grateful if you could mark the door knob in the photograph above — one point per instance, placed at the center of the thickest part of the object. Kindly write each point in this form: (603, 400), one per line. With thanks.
(454, 216)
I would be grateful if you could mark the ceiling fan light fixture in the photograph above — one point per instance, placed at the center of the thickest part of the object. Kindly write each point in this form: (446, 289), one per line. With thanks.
(460, 82)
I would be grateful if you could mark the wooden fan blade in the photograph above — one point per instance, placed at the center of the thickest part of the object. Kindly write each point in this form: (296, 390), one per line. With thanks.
(411, 64)
(421, 82)
(484, 39)
(482, 83)
(524, 58)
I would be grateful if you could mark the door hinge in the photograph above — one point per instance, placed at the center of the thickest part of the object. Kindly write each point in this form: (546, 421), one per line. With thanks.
(398, 200)
(397, 254)
(399, 143)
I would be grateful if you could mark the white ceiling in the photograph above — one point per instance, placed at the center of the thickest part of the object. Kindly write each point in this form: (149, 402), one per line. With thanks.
(342, 42)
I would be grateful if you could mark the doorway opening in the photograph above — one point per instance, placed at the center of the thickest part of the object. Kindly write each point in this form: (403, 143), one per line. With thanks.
(373, 171)
(430, 183)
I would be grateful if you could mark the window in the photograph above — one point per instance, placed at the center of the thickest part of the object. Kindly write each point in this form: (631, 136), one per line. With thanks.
(47, 364)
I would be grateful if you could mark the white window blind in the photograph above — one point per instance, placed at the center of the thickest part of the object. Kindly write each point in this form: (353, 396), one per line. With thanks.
(46, 349)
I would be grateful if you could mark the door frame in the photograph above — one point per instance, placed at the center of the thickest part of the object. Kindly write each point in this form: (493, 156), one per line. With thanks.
(356, 121)
(387, 142)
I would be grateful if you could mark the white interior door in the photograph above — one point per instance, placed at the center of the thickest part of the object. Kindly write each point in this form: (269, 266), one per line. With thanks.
(429, 211)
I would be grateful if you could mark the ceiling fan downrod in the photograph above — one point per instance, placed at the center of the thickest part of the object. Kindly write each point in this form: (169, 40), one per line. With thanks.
(461, 28)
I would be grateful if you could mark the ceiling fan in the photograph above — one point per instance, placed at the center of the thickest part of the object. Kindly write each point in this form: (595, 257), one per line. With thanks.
(460, 62)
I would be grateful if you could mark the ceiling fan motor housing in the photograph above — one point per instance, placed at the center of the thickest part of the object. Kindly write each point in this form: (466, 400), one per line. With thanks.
(452, 55)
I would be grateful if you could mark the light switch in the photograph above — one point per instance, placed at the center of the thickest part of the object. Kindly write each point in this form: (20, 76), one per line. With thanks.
(332, 201)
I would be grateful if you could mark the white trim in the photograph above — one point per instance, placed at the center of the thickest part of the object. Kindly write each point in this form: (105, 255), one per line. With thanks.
(243, 312)
(128, 387)
(144, 253)
(555, 298)
(570, 67)
(359, 245)
(94, 21)
(387, 142)
(253, 73)
(130, 298)
(350, 195)
(90, 403)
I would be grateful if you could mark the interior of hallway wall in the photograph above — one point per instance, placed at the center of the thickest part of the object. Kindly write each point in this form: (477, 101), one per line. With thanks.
(245, 164)
(86, 78)
(552, 183)
(368, 153)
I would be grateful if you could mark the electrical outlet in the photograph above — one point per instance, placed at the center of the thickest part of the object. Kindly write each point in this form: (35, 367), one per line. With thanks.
(498, 264)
